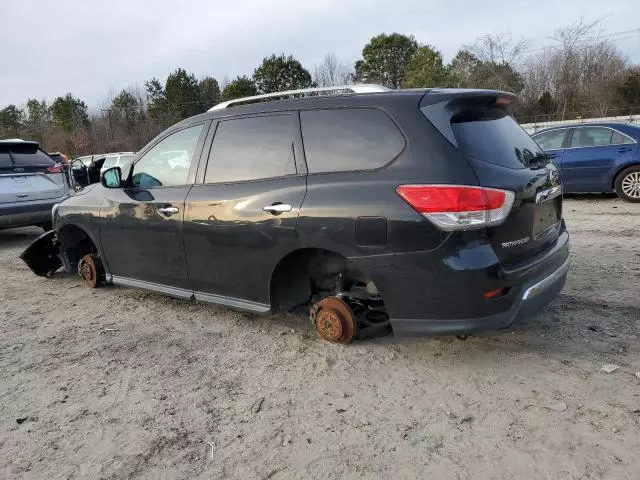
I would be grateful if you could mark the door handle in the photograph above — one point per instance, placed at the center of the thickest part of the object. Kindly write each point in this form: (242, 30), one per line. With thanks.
(168, 211)
(624, 149)
(277, 208)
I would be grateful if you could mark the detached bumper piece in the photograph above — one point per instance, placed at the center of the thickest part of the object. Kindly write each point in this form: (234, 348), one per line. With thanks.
(43, 255)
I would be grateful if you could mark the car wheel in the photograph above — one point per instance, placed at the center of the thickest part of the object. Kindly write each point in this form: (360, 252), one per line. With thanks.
(628, 184)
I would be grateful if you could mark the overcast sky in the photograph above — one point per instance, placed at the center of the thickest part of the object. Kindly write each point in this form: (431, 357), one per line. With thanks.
(90, 47)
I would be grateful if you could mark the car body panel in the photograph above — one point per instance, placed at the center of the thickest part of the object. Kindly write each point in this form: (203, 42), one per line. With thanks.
(232, 245)
(141, 243)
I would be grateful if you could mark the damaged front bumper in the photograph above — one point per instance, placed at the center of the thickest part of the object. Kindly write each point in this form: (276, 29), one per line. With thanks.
(43, 256)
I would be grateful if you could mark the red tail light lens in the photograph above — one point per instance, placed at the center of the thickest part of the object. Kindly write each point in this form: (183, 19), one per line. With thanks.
(458, 207)
(55, 169)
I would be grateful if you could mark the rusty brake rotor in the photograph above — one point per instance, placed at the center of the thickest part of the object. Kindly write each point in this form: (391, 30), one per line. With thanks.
(334, 320)
(90, 270)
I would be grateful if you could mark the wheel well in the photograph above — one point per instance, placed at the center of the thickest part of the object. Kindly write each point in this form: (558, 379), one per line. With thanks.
(75, 243)
(622, 169)
(305, 274)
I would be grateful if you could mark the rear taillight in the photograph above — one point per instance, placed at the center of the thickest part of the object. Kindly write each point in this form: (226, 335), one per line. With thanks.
(55, 169)
(457, 207)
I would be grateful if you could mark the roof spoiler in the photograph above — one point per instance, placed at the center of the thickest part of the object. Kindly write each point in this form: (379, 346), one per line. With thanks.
(440, 105)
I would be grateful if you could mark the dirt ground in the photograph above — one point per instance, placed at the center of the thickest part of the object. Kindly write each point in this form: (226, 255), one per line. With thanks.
(118, 383)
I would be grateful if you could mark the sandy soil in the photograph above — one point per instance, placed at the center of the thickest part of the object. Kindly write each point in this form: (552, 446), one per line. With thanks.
(118, 383)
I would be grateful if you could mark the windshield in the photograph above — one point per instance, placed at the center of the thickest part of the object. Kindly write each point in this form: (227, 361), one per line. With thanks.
(489, 134)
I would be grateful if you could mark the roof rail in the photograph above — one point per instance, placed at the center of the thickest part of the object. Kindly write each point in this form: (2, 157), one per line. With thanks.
(336, 90)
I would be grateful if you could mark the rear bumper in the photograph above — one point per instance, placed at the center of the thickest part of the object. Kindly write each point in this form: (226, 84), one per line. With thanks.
(24, 214)
(441, 292)
(534, 296)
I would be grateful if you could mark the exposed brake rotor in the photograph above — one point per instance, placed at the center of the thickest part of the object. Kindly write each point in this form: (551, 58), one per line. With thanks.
(90, 270)
(334, 320)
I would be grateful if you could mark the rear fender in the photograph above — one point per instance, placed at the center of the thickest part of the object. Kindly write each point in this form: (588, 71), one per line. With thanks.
(43, 255)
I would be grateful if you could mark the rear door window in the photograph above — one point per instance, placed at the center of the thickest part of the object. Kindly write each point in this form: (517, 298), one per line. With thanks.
(490, 135)
(552, 140)
(591, 137)
(253, 148)
(349, 139)
(619, 138)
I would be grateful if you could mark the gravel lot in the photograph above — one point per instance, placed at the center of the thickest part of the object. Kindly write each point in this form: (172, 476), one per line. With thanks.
(118, 383)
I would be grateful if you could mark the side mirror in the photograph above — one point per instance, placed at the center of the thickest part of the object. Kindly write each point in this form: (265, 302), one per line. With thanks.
(111, 178)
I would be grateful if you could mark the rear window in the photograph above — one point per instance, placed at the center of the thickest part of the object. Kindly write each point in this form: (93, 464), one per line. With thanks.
(349, 139)
(29, 155)
(490, 135)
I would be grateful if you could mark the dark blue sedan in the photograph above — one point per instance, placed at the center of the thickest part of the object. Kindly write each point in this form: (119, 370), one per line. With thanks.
(596, 157)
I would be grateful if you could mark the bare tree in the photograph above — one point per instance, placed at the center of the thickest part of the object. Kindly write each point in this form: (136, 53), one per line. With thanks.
(499, 59)
(331, 72)
(581, 72)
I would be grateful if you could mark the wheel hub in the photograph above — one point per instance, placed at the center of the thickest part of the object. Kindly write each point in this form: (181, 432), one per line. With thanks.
(334, 320)
(88, 270)
(631, 185)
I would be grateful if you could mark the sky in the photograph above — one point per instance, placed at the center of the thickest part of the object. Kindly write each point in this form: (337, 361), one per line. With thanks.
(94, 48)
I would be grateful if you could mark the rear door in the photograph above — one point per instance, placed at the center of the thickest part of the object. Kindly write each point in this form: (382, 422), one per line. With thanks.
(589, 159)
(505, 157)
(241, 219)
(28, 174)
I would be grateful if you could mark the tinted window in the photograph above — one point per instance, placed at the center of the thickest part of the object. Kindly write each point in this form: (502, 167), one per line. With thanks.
(167, 163)
(349, 139)
(620, 138)
(252, 148)
(591, 137)
(29, 155)
(551, 140)
(489, 134)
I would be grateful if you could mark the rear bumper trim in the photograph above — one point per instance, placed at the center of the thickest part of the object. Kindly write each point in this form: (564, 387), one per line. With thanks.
(534, 290)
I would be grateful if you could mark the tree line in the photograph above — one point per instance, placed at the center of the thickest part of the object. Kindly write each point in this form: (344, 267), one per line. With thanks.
(584, 74)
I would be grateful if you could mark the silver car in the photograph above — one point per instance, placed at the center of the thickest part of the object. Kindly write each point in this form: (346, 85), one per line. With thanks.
(31, 182)
(121, 159)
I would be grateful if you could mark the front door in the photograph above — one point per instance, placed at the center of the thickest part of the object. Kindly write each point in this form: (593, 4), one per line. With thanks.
(242, 217)
(141, 230)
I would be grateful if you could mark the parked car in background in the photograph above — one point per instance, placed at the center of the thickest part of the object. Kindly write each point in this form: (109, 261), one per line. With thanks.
(89, 159)
(121, 159)
(59, 157)
(31, 182)
(596, 157)
(367, 210)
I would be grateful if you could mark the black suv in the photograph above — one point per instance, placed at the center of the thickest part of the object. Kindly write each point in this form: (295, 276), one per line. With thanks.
(425, 211)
